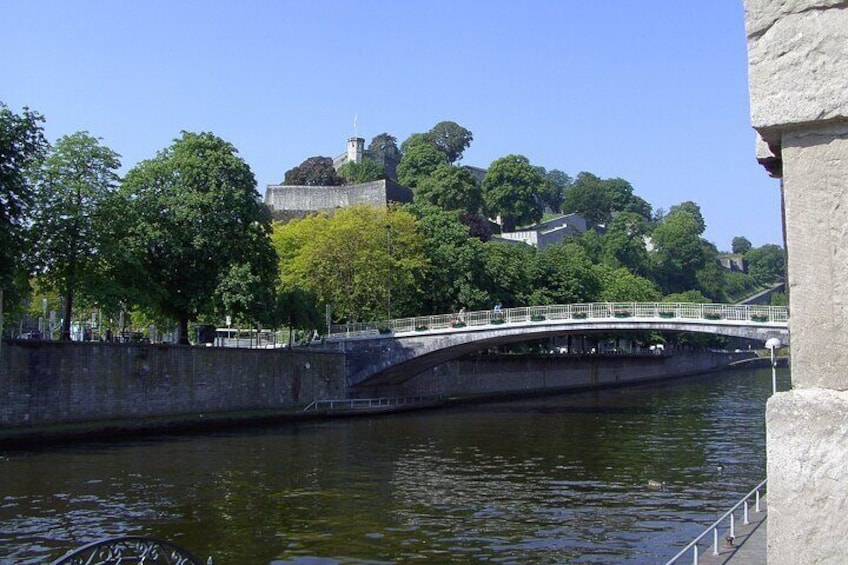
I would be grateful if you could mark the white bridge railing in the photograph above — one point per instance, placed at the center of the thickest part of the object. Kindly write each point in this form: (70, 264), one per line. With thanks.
(577, 313)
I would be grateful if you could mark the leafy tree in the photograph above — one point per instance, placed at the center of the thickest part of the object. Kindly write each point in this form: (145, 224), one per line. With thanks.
(72, 186)
(420, 159)
(315, 171)
(296, 309)
(564, 274)
(766, 264)
(365, 171)
(22, 145)
(599, 200)
(740, 244)
(509, 273)
(510, 190)
(451, 188)
(457, 263)
(556, 183)
(382, 147)
(620, 285)
(451, 138)
(678, 250)
(194, 233)
(694, 210)
(360, 261)
(624, 243)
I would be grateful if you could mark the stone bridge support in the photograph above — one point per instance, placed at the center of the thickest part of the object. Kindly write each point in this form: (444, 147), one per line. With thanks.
(798, 75)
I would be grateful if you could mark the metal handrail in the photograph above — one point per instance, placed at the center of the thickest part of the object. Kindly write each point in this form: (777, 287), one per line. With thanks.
(636, 311)
(369, 403)
(714, 527)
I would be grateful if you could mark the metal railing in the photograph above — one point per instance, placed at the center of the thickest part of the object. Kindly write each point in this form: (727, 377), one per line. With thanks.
(728, 518)
(131, 549)
(557, 313)
(365, 404)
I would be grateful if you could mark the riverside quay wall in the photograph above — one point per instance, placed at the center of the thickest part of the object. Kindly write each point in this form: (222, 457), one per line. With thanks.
(54, 390)
(63, 388)
(515, 375)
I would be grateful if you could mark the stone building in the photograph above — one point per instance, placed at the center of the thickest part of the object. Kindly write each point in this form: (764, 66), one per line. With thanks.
(549, 232)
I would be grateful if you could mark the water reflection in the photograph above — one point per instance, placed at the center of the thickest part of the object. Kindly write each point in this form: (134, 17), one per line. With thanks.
(564, 479)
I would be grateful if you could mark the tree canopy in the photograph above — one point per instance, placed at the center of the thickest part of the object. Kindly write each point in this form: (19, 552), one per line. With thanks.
(451, 138)
(69, 222)
(420, 159)
(315, 171)
(361, 261)
(451, 188)
(510, 190)
(194, 233)
(22, 145)
(598, 200)
(366, 170)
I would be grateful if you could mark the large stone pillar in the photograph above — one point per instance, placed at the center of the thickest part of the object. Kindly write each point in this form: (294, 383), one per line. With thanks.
(798, 76)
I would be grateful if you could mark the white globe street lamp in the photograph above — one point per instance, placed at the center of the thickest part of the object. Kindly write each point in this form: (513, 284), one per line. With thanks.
(771, 344)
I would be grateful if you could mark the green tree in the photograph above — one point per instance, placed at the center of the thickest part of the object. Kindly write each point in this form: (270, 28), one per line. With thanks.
(68, 222)
(510, 190)
(624, 243)
(694, 210)
(740, 244)
(766, 264)
(365, 171)
(556, 183)
(620, 285)
(420, 159)
(599, 200)
(451, 138)
(564, 274)
(315, 171)
(456, 276)
(678, 250)
(383, 147)
(450, 188)
(360, 261)
(22, 146)
(192, 225)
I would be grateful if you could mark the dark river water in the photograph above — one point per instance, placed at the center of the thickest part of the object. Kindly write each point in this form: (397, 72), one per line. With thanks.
(564, 479)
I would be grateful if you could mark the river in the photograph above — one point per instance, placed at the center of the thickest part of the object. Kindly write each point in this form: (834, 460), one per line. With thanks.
(561, 479)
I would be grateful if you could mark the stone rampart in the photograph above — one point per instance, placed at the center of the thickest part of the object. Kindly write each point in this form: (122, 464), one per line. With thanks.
(300, 199)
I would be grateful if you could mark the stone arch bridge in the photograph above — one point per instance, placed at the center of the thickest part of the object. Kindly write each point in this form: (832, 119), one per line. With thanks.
(392, 351)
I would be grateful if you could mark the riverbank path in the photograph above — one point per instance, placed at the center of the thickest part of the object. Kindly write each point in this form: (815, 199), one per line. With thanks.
(749, 547)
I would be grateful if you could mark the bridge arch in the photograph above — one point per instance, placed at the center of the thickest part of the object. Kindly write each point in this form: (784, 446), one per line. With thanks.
(392, 351)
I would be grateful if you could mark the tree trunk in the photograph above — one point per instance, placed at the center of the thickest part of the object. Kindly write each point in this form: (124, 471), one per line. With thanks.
(66, 320)
(182, 331)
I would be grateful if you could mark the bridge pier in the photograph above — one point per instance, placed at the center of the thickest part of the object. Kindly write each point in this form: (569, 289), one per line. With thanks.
(798, 73)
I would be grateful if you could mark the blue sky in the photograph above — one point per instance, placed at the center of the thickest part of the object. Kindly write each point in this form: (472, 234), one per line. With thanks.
(654, 91)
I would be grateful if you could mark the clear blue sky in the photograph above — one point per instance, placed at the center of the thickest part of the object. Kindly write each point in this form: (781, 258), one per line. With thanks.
(654, 92)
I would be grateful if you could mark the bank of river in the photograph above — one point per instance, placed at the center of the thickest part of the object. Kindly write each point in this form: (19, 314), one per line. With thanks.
(545, 480)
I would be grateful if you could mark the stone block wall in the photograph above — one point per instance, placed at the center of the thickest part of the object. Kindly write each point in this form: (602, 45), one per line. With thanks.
(798, 78)
(50, 383)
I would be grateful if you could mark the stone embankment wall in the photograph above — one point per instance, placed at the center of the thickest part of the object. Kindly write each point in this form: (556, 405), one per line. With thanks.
(507, 375)
(52, 383)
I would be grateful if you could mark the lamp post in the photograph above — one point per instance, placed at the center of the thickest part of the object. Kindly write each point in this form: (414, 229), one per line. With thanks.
(771, 344)
(389, 263)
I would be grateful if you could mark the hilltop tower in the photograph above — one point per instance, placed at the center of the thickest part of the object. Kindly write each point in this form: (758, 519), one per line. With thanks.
(355, 149)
